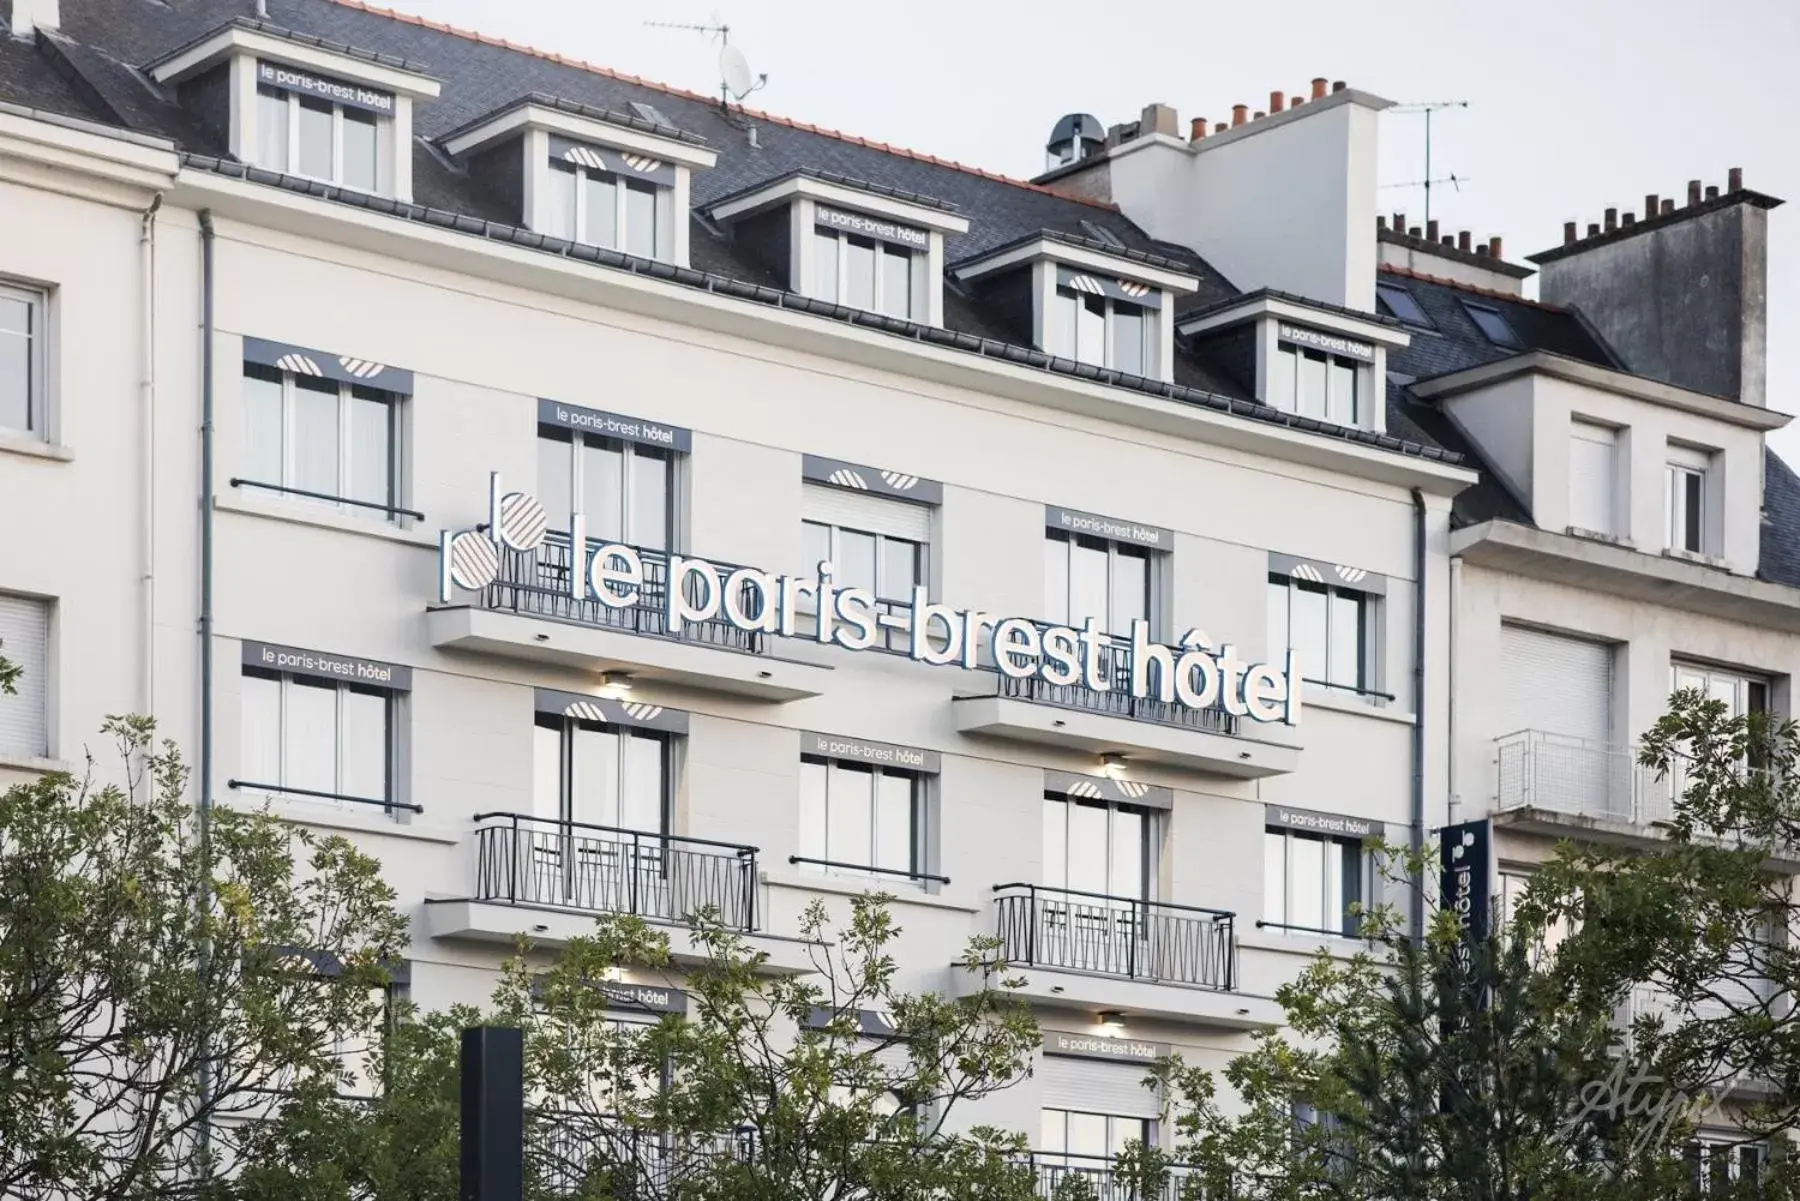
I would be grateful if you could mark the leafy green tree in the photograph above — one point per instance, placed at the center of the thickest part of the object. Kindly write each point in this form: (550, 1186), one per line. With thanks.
(161, 990)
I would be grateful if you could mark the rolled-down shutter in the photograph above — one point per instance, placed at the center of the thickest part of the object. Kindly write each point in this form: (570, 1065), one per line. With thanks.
(852, 510)
(24, 639)
(1097, 1086)
(1556, 684)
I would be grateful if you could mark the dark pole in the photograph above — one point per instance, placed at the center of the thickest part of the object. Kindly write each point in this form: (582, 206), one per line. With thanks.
(493, 1114)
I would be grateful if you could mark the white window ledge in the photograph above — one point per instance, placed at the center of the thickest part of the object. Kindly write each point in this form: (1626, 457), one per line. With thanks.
(35, 448)
(327, 816)
(34, 763)
(1320, 697)
(904, 892)
(314, 513)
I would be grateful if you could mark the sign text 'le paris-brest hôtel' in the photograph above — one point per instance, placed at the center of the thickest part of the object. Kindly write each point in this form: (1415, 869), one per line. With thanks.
(1192, 674)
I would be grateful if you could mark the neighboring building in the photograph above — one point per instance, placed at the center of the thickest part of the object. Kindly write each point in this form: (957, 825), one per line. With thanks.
(451, 309)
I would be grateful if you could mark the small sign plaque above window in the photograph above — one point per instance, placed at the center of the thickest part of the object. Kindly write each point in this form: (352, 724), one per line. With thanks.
(292, 79)
(871, 227)
(1330, 343)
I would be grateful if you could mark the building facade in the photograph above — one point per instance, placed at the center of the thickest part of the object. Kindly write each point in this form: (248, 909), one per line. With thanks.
(592, 499)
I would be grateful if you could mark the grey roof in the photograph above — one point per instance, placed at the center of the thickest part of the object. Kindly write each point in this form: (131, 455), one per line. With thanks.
(1780, 559)
(842, 181)
(605, 115)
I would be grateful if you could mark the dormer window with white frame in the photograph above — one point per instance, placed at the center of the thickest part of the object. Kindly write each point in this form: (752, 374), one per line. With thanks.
(1106, 322)
(853, 244)
(586, 175)
(302, 107)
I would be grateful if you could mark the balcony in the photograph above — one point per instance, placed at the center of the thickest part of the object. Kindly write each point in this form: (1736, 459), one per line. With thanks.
(1061, 1175)
(530, 612)
(1548, 780)
(585, 1155)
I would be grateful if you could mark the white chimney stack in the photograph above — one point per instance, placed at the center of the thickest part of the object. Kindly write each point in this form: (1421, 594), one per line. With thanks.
(28, 16)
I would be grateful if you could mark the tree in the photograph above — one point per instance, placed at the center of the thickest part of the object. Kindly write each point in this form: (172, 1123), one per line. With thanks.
(833, 1084)
(164, 982)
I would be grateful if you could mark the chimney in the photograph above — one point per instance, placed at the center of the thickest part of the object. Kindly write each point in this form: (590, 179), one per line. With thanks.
(1494, 246)
(1568, 232)
(1239, 114)
(1734, 180)
(1277, 101)
(1612, 220)
(1158, 118)
(28, 16)
(1380, 221)
(1683, 299)
(1338, 85)
(1712, 191)
(1318, 88)
(1431, 233)
(1462, 241)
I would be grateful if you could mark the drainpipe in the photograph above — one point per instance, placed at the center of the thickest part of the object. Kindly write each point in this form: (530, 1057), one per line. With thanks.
(147, 468)
(1418, 735)
(206, 615)
(1452, 796)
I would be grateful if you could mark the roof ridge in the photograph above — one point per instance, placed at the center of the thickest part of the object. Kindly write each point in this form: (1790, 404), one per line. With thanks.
(758, 114)
(1462, 286)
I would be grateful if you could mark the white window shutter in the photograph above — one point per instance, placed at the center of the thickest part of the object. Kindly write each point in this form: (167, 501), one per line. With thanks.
(1593, 478)
(25, 640)
(1556, 684)
(850, 510)
(1097, 1086)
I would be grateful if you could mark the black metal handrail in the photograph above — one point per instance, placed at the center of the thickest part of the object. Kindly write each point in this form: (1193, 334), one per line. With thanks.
(254, 786)
(537, 582)
(1297, 929)
(586, 1155)
(526, 860)
(392, 510)
(1100, 1175)
(903, 872)
(1354, 689)
(1117, 701)
(1129, 937)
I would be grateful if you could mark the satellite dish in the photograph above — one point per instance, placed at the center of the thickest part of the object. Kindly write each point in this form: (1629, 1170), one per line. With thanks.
(734, 72)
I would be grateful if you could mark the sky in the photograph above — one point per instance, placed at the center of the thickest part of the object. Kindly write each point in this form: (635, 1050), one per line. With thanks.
(1572, 105)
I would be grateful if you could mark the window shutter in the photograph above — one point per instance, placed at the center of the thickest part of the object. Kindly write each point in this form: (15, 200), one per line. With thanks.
(1591, 478)
(24, 639)
(852, 510)
(1556, 684)
(1097, 1086)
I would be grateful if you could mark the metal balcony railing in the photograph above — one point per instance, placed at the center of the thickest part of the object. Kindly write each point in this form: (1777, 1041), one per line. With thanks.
(1117, 701)
(1127, 937)
(587, 1155)
(524, 860)
(1558, 774)
(1063, 1176)
(536, 583)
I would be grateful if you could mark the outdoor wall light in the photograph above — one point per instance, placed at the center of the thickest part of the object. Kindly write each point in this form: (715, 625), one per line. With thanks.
(1112, 766)
(1112, 1019)
(616, 682)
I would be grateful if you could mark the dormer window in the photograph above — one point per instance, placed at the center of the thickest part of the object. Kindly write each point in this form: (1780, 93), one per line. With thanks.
(1492, 323)
(588, 175)
(852, 243)
(1091, 321)
(1321, 375)
(300, 106)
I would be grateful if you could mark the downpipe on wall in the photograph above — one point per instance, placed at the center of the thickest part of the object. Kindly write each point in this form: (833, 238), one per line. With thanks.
(147, 466)
(1418, 734)
(205, 804)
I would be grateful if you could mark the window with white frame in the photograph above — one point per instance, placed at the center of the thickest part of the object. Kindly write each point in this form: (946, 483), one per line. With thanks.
(1098, 848)
(1328, 629)
(1072, 1141)
(1104, 331)
(321, 440)
(1511, 895)
(1741, 694)
(1685, 506)
(612, 1049)
(855, 817)
(625, 490)
(316, 739)
(25, 643)
(300, 134)
(1724, 1164)
(592, 204)
(869, 273)
(597, 774)
(1115, 583)
(1593, 478)
(876, 542)
(22, 354)
(1312, 882)
(1314, 383)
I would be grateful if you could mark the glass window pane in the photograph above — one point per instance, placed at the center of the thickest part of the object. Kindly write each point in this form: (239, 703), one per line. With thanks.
(815, 542)
(649, 501)
(825, 265)
(16, 366)
(642, 805)
(1346, 640)
(1274, 876)
(640, 220)
(1350, 884)
(262, 425)
(812, 810)
(1306, 881)
(849, 832)
(315, 139)
(1088, 860)
(896, 282)
(894, 822)
(1090, 330)
(1278, 619)
(1692, 485)
(259, 756)
(1282, 375)
(365, 771)
(1059, 325)
(315, 436)
(1128, 339)
(603, 490)
(359, 150)
(553, 480)
(1130, 591)
(1125, 878)
(1341, 401)
(1087, 582)
(272, 129)
(600, 202)
(856, 559)
(1307, 629)
(899, 569)
(371, 448)
(309, 740)
(1087, 1134)
(1056, 580)
(1055, 872)
(559, 207)
(1309, 385)
(1052, 1129)
(546, 771)
(594, 777)
(859, 273)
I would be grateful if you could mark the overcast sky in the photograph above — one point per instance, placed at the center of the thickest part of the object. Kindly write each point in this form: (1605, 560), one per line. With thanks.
(1573, 105)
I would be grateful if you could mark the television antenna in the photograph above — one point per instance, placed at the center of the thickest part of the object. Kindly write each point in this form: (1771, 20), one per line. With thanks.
(1428, 107)
(735, 78)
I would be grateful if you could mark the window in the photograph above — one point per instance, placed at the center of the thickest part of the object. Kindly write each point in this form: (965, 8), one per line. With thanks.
(1327, 629)
(859, 817)
(354, 1053)
(863, 273)
(1104, 332)
(1493, 324)
(609, 1053)
(624, 489)
(1593, 479)
(1401, 305)
(1742, 694)
(1093, 577)
(1718, 1164)
(878, 543)
(1098, 848)
(22, 361)
(320, 440)
(1684, 499)
(1512, 894)
(599, 775)
(1075, 1141)
(1315, 384)
(1311, 882)
(317, 739)
(25, 642)
(594, 206)
(303, 135)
